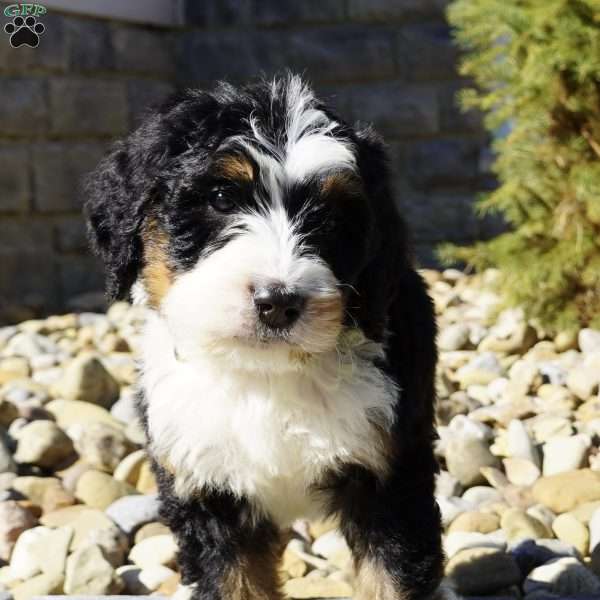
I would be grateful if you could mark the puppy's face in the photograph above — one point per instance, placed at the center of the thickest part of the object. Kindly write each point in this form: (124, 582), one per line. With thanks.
(253, 228)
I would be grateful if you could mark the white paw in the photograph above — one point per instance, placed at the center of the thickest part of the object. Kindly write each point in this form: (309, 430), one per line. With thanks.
(184, 592)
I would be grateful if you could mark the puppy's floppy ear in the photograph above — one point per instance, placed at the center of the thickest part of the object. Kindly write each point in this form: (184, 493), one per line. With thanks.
(117, 195)
(377, 286)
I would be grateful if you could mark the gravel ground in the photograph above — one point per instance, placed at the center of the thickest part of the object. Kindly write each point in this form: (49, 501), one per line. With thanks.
(519, 491)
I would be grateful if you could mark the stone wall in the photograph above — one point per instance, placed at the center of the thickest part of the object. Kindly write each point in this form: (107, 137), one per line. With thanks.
(386, 61)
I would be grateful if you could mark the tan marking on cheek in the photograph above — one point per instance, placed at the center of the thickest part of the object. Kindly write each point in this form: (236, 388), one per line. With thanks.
(156, 273)
(236, 167)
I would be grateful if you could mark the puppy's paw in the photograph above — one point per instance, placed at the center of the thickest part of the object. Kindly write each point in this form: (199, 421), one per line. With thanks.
(184, 592)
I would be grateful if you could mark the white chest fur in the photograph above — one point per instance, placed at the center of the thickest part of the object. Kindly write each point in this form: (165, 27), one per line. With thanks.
(266, 435)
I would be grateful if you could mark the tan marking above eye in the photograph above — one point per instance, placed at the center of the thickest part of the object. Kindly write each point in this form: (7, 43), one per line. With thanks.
(156, 273)
(235, 166)
(341, 182)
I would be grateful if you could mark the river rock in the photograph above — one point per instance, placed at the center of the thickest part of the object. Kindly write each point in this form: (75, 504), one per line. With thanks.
(465, 457)
(520, 471)
(131, 512)
(562, 576)
(99, 490)
(565, 491)
(474, 521)
(565, 453)
(43, 443)
(156, 550)
(518, 525)
(482, 571)
(317, 587)
(570, 530)
(102, 446)
(86, 379)
(89, 573)
(14, 520)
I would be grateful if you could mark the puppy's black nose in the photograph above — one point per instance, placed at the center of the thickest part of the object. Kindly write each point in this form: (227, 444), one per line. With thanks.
(276, 307)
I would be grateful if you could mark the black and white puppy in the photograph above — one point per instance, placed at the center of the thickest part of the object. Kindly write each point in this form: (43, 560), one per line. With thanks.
(289, 354)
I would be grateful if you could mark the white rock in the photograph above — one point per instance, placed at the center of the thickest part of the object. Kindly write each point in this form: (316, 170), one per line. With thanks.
(481, 494)
(89, 573)
(520, 471)
(589, 340)
(23, 562)
(519, 444)
(453, 337)
(463, 426)
(155, 550)
(595, 529)
(565, 453)
(461, 540)
(562, 576)
(450, 508)
(446, 485)
(329, 544)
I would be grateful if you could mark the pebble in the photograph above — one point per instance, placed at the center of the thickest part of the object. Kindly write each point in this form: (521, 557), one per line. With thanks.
(465, 457)
(570, 530)
(520, 471)
(39, 585)
(519, 444)
(473, 521)
(43, 443)
(89, 573)
(519, 525)
(128, 469)
(131, 512)
(69, 412)
(565, 491)
(564, 576)
(46, 492)
(316, 587)
(155, 550)
(461, 540)
(589, 341)
(87, 379)
(99, 490)
(594, 525)
(564, 454)
(453, 337)
(14, 520)
(102, 446)
(482, 571)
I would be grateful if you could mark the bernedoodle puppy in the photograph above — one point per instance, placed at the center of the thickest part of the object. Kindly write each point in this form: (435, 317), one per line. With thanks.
(289, 351)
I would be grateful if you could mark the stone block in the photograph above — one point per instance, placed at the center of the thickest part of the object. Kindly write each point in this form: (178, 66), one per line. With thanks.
(443, 162)
(89, 45)
(23, 107)
(274, 12)
(324, 54)
(217, 13)
(70, 234)
(395, 10)
(396, 109)
(88, 107)
(58, 171)
(144, 51)
(440, 217)
(14, 178)
(78, 275)
(144, 94)
(426, 52)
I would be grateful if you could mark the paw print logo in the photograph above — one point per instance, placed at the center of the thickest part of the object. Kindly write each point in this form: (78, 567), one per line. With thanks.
(24, 32)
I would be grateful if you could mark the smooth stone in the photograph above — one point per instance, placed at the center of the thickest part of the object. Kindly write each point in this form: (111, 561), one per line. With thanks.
(548, 427)
(584, 381)
(316, 587)
(518, 525)
(131, 512)
(453, 337)
(530, 554)
(571, 531)
(474, 521)
(128, 470)
(46, 492)
(156, 550)
(589, 411)
(482, 571)
(465, 458)
(50, 552)
(480, 495)
(461, 540)
(329, 544)
(22, 563)
(70, 412)
(585, 513)
(39, 585)
(542, 513)
(88, 573)
(481, 370)
(99, 490)
(594, 525)
(87, 379)
(562, 576)
(589, 340)
(463, 426)
(519, 444)
(144, 581)
(43, 443)
(292, 565)
(565, 453)
(520, 471)
(102, 446)
(150, 530)
(146, 483)
(565, 491)
(450, 508)
(14, 520)
(125, 409)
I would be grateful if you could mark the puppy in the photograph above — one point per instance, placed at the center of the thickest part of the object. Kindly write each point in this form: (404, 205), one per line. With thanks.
(289, 354)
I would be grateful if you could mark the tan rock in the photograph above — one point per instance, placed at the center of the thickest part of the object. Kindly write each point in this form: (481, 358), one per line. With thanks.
(14, 520)
(150, 530)
(46, 492)
(570, 530)
(146, 483)
(520, 471)
(155, 550)
(89, 573)
(69, 412)
(517, 524)
(99, 490)
(128, 470)
(43, 443)
(565, 491)
(39, 585)
(475, 521)
(317, 587)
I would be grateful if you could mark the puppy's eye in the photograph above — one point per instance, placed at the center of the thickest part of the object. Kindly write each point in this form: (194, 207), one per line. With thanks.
(222, 200)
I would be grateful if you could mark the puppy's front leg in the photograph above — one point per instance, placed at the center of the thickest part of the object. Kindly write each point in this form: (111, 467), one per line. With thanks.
(225, 552)
(393, 530)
